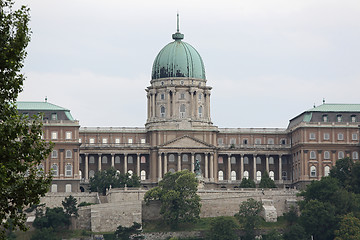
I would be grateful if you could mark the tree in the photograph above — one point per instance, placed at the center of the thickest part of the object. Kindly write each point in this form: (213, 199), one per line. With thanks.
(296, 232)
(124, 233)
(222, 228)
(102, 180)
(177, 194)
(247, 183)
(248, 217)
(272, 235)
(349, 228)
(69, 205)
(319, 219)
(266, 181)
(21, 146)
(54, 218)
(347, 172)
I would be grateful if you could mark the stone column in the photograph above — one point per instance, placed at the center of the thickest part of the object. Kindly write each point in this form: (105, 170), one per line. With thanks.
(61, 165)
(99, 161)
(229, 167)
(76, 164)
(173, 105)
(179, 162)
(254, 167)
(113, 160)
(206, 166)
(148, 105)
(211, 167)
(280, 167)
(86, 166)
(241, 166)
(165, 163)
(192, 162)
(168, 104)
(196, 105)
(159, 166)
(191, 110)
(153, 106)
(125, 163)
(208, 105)
(138, 165)
(267, 164)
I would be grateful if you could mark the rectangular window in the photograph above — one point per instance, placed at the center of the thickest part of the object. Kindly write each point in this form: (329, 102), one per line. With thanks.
(182, 95)
(325, 118)
(245, 141)
(326, 136)
(162, 96)
(353, 118)
(339, 118)
(340, 136)
(354, 136)
(270, 141)
(130, 140)
(92, 140)
(258, 141)
(233, 141)
(104, 140)
(312, 155)
(312, 136)
(117, 140)
(54, 135)
(220, 141)
(80, 140)
(143, 140)
(54, 116)
(68, 135)
(283, 141)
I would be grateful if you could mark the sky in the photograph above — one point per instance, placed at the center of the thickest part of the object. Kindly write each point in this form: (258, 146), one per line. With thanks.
(267, 60)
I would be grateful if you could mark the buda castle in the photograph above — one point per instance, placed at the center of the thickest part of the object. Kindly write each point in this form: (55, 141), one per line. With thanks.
(179, 132)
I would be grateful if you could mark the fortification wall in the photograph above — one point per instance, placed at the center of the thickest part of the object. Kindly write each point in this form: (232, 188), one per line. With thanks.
(54, 199)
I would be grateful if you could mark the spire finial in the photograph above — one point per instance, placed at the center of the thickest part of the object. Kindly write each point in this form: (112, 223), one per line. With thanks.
(323, 100)
(177, 36)
(178, 22)
(45, 98)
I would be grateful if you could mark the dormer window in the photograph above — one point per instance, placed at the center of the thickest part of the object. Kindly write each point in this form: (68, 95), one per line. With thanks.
(353, 118)
(54, 116)
(325, 118)
(339, 118)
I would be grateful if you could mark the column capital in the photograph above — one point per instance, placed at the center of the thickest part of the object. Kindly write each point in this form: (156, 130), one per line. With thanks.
(99, 154)
(125, 154)
(138, 154)
(112, 154)
(229, 154)
(192, 153)
(86, 154)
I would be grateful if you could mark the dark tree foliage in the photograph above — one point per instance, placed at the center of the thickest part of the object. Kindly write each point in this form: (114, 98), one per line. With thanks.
(249, 218)
(266, 181)
(296, 232)
(21, 146)
(178, 197)
(272, 235)
(54, 218)
(349, 228)
(319, 219)
(347, 172)
(44, 234)
(291, 217)
(125, 233)
(102, 180)
(222, 228)
(247, 183)
(70, 207)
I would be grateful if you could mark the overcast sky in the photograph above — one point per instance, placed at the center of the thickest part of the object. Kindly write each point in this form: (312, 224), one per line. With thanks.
(267, 60)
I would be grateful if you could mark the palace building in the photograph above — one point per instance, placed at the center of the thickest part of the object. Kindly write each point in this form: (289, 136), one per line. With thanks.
(179, 131)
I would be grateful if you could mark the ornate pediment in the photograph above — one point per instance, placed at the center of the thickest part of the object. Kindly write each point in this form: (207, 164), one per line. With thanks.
(187, 142)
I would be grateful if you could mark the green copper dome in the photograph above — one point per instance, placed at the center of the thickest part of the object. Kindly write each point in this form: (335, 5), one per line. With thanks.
(178, 59)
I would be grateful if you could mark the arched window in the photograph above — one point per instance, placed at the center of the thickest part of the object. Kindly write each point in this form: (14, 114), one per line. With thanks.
(104, 159)
(284, 175)
(200, 111)
(220, 160)
(130, 159)
(171, 170)
(68, 154)
(258, 175)
(258, 160)
(130, 172)
(68, 170)
(312, 171)
(117, 159)
(326, 155)
(312, 155)
(80, 174)
(91, 160)
(246, 174)
(272, 175)
(143, 159)
(68, 188)
(54, 188)
(91, 173)
(162, 111)
(341, 155)
(55, 170)
(185, 158)
(143, 175)
(221, 175)
(40, 169)
(233, 160)
(246, 160)
(182, 110)
(271, 160)
(355, 155)
(326, 171)
(171, 158)
(54, 154)
(198, 157)
(233, 176)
